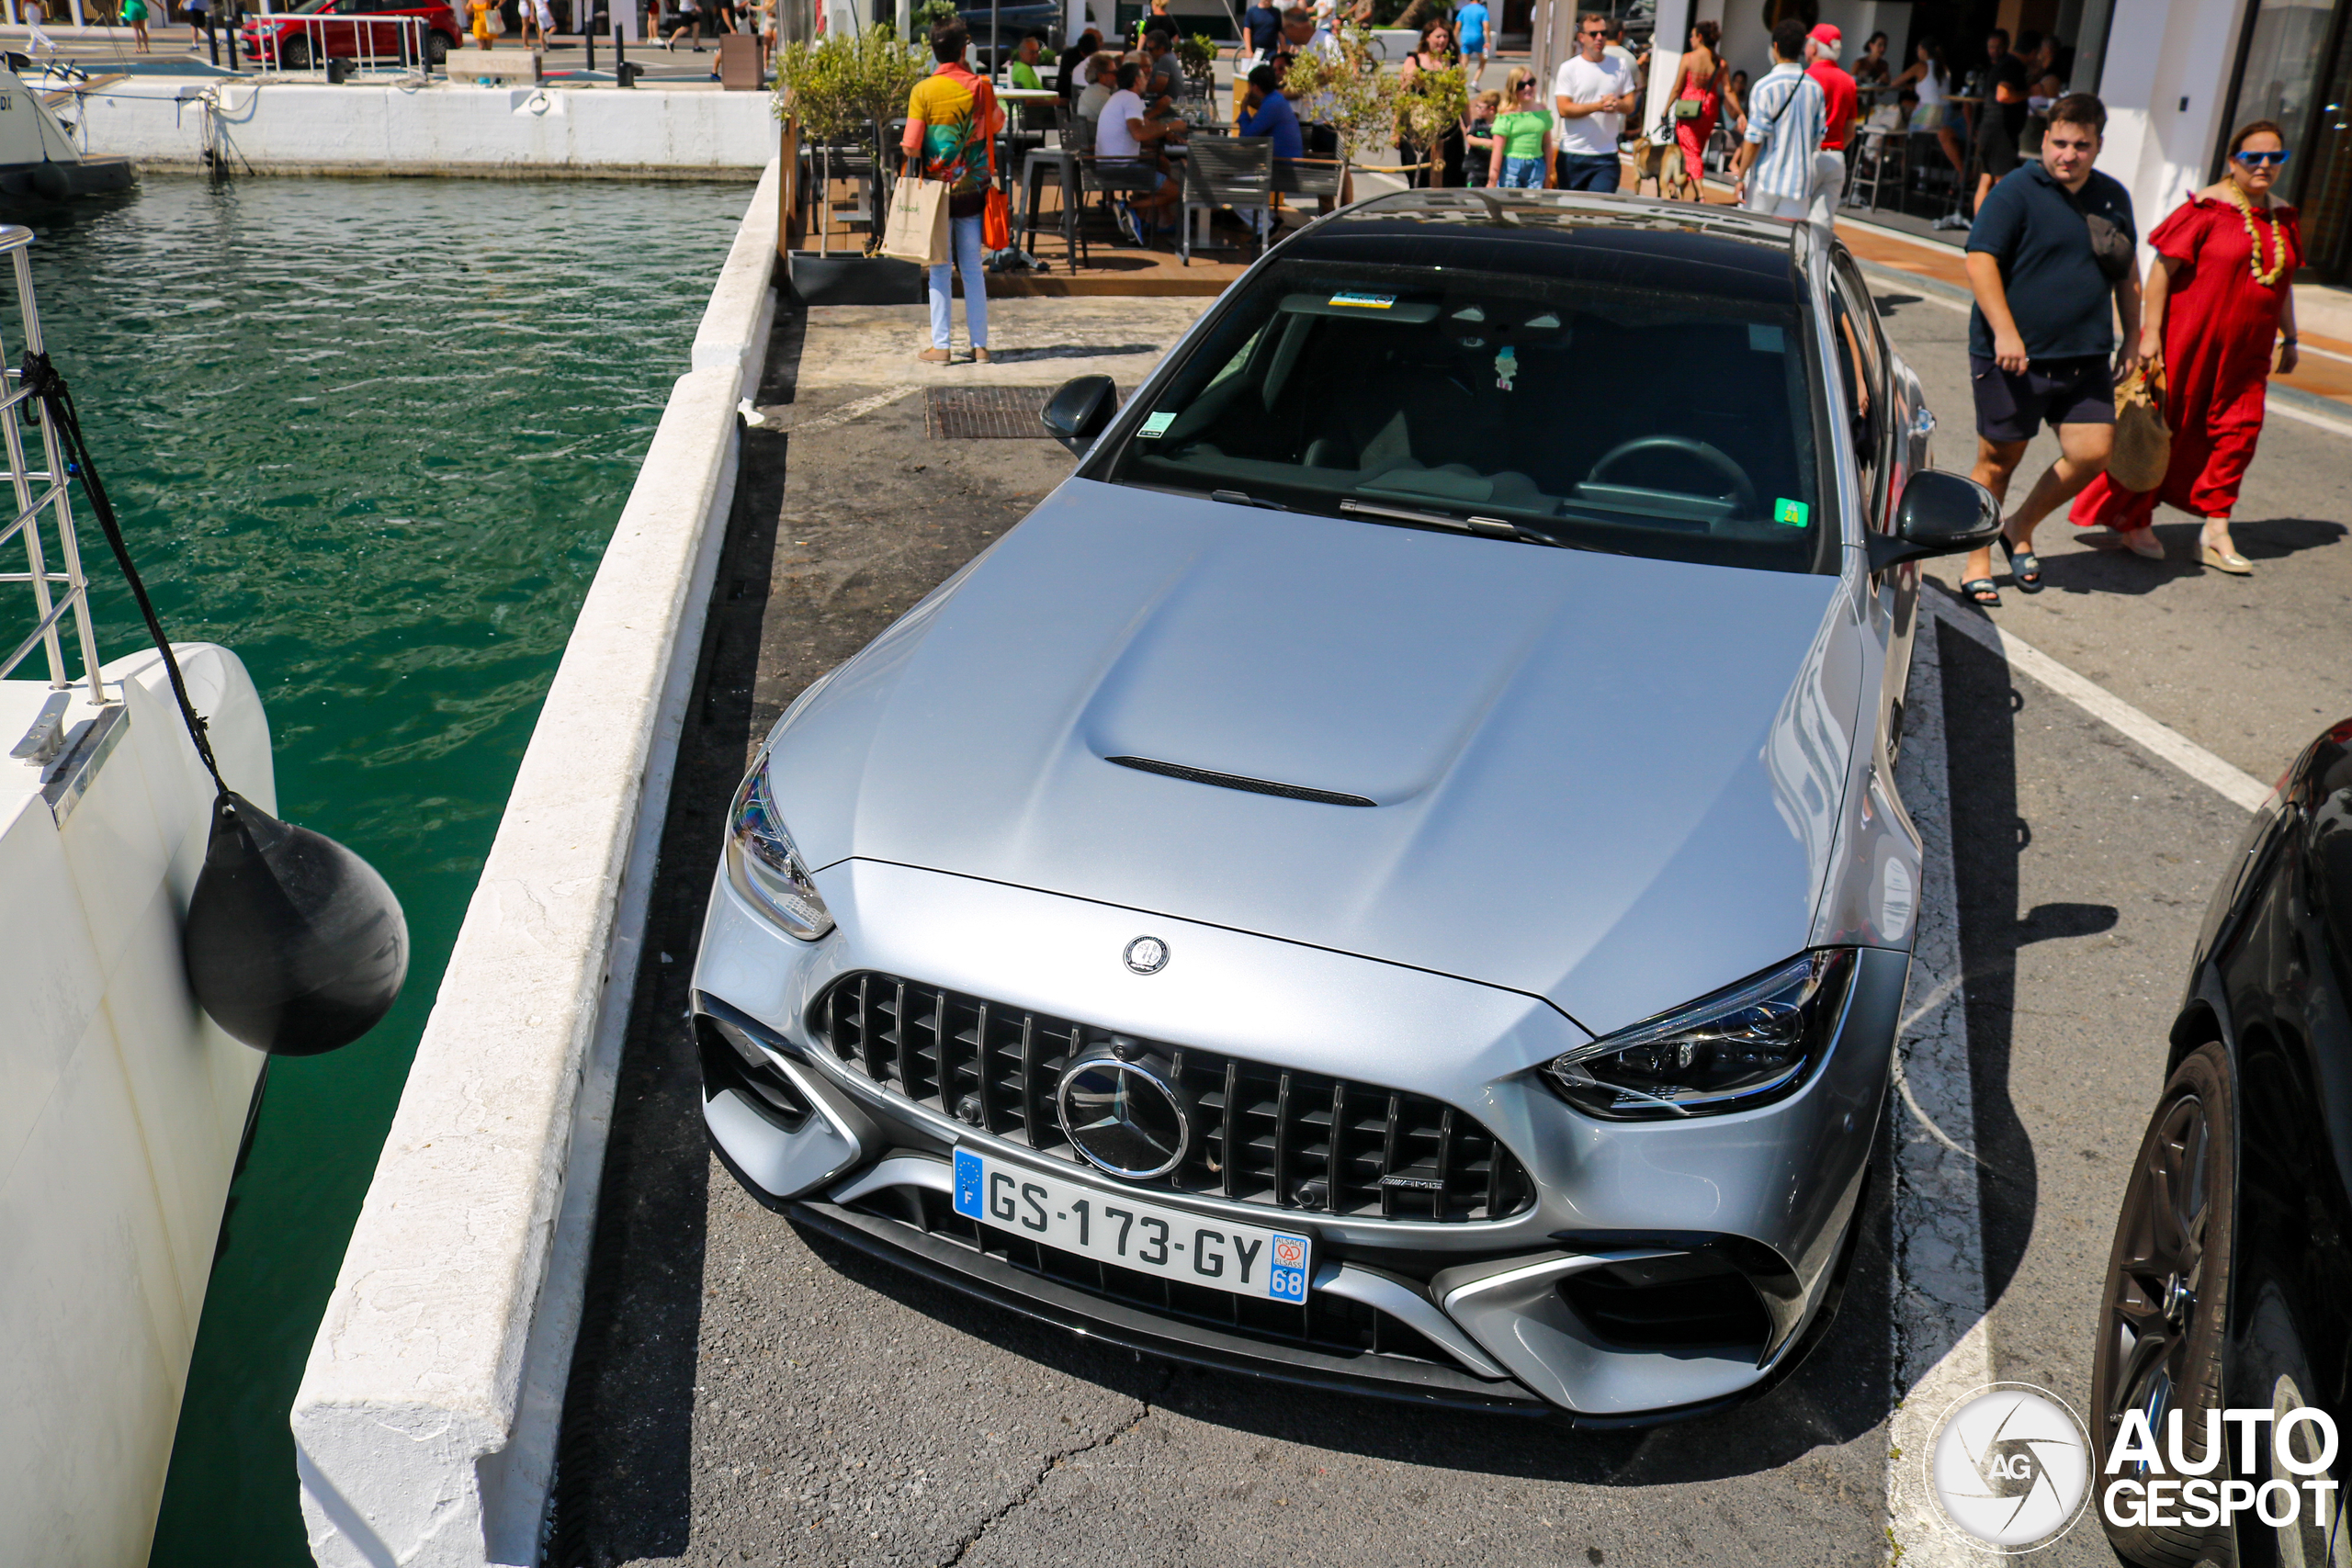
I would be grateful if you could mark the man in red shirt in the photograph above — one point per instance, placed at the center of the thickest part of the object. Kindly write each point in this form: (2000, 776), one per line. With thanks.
(1840, 105)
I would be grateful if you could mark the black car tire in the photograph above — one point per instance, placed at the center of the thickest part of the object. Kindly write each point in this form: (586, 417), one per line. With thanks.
(436, 51)
(294, 54)
(2272, 1365)
(2165, 1308)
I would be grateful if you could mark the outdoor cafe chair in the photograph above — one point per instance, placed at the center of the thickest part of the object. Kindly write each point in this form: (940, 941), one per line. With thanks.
(1227, 171)
(1112, 181)
(1883, 155)
(1061, 163)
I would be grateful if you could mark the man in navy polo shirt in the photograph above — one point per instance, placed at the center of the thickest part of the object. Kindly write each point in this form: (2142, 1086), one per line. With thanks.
(2051, 245)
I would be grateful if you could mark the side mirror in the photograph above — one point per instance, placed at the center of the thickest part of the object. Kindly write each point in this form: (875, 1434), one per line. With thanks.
(1079, 411)
(1941, 514)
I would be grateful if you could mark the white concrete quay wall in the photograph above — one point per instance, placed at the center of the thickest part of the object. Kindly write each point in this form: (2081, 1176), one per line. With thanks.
(424, 1428)
(447, 127)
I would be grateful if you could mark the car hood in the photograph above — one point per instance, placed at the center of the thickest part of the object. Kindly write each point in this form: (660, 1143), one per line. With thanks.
(1607, 781)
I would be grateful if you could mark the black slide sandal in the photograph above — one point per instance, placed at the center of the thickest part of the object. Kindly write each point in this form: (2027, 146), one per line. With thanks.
(1981, 592)
(2024, 566)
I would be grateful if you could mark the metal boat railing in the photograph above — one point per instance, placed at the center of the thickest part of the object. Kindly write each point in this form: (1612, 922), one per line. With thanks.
(60, 593)
(399, 45)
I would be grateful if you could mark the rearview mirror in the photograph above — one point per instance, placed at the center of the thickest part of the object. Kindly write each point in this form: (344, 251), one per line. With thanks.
(1941, 514)
(1079, 411)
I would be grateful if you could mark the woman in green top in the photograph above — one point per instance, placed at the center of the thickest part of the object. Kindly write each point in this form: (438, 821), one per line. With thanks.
(1522, 156)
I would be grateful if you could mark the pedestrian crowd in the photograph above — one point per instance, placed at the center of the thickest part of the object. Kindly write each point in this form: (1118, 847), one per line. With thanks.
(2050, 252)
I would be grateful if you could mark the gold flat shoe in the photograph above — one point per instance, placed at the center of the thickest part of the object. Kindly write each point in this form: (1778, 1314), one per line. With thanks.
(2230, 561)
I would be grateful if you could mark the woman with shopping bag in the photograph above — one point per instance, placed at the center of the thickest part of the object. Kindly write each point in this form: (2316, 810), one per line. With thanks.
(953, 120)
(2220, 294)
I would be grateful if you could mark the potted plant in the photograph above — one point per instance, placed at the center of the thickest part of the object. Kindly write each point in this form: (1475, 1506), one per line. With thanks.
(1346, 90)
(1433, 108)
(1197, 56)
(842, 92)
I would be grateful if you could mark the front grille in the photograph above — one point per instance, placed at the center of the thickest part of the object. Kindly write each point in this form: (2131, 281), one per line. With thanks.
(1334, 1325)
(1262, 1134)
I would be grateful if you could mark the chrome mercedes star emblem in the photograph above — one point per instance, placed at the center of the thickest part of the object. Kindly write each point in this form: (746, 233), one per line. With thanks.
(1125, 1117)
(1146, 955)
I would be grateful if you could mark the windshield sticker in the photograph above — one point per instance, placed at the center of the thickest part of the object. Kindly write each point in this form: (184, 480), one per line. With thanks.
(1792, 512)
(1156, 426)
(1365, 301)
(1506, 366)
(1763, 337)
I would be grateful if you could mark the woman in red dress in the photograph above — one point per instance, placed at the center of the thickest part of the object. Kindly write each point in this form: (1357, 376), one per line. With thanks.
(1699, 82)
(2220, 292)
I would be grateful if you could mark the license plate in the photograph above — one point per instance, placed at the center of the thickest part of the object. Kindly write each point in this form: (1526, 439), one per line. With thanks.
(1113, 1227)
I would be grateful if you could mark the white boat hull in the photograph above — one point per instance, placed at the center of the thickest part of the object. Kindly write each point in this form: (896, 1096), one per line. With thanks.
(121, 1105)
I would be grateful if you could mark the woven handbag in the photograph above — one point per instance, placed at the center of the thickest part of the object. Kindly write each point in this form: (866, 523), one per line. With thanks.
(2142, 448)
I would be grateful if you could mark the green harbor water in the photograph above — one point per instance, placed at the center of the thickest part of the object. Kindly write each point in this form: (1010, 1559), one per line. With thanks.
(373, 435)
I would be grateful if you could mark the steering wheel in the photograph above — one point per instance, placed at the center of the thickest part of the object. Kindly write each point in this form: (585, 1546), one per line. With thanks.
(1743, 493)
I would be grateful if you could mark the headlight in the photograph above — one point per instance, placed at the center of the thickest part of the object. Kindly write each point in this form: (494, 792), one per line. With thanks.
(1746, 1046)
(765, 867)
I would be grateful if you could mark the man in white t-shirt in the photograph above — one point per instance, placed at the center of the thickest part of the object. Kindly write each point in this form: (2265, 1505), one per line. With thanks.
(1120, 135)
(1593, 94)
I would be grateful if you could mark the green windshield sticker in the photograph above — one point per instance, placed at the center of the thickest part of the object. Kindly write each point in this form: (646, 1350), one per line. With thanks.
(1157, 425)
(1792, 512)
(1365, 301)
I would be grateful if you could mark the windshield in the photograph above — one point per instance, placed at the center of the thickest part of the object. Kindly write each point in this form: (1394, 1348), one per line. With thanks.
(1610, 418)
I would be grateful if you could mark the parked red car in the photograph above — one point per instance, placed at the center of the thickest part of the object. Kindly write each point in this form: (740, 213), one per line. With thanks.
(291, 40)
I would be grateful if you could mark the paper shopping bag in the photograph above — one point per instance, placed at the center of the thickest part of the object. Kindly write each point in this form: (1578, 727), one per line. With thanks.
(917, 230)
(2142, 450)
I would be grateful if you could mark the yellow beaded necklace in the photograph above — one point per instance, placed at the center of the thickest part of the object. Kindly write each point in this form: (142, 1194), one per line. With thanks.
(2278, 268)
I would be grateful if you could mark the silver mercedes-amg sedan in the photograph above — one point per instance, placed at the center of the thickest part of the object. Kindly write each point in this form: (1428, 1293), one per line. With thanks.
(1391, 875)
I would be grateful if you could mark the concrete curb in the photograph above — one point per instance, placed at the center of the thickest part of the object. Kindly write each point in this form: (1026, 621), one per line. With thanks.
(741, 312)
(426, 1425)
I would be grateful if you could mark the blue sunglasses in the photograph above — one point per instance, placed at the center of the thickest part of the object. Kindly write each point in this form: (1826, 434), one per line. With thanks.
(2254, 160)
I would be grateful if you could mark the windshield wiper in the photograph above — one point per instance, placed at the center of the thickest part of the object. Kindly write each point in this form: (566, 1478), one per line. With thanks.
(1239, 498)
(1487, 527)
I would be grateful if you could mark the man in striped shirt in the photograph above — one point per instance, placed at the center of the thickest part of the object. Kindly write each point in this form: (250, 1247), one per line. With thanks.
(1786, 118)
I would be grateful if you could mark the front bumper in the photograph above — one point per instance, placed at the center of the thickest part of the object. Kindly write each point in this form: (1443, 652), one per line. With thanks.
(1662, 1267)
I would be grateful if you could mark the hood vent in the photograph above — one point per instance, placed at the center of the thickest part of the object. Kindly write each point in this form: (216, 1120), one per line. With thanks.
(1233, 781)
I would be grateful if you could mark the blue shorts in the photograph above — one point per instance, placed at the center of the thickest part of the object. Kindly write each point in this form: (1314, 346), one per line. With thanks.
(1589, 171)
(1522, 173)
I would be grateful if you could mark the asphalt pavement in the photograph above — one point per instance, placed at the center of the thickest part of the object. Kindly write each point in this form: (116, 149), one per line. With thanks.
(749, 1392)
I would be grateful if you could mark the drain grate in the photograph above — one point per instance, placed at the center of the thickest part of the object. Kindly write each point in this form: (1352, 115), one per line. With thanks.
(985, 413)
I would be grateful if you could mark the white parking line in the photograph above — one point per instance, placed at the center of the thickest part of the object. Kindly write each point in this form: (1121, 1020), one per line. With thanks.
(2231, 783)
(847, 411)
(1937, 1327)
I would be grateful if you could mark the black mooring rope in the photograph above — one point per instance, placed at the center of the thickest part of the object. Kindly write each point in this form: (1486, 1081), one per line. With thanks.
(43, 381)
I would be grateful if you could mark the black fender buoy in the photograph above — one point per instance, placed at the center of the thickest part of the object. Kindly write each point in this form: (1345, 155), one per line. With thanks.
(295, 945)
(52, 182)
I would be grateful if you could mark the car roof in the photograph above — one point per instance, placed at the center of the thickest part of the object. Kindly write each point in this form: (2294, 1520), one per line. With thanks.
(1675, 247)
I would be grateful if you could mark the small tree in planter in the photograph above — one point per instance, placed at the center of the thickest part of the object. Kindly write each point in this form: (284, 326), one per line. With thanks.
(1197, 57)
(844, 89)
(1345, 90)
(1434, 106)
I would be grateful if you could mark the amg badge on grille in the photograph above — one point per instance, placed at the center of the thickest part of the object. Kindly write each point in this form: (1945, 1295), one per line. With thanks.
(1146, 955)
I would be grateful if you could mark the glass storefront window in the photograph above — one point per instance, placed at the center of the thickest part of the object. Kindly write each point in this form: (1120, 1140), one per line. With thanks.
(2285, 53)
